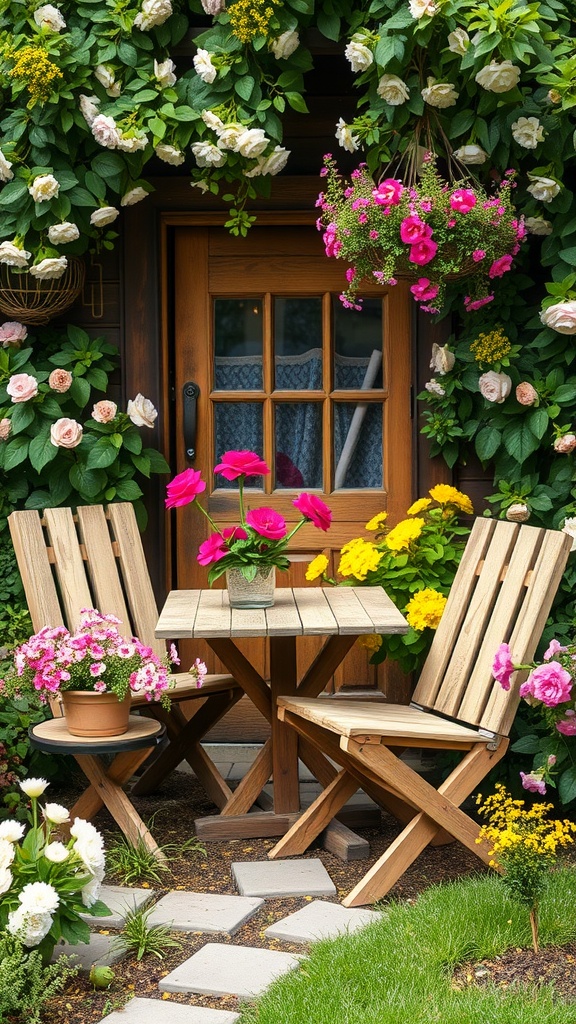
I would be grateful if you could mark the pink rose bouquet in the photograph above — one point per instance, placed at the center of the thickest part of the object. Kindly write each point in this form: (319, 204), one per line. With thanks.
(262, 535)
(431, 227)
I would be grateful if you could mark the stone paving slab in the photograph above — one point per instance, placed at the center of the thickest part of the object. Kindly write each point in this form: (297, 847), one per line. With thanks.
(283, 878)
(320, 920)
(119, 899)
(217, 970)
(203, 912)
(97, 951)
(156, 1011)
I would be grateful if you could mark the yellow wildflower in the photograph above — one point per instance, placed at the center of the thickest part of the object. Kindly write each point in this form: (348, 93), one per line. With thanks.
(316, 567)
(33, 66)
(358, 558)
(425, 609)
(444, 494)
(400, 538)
(372, 642)
(377, 521)
(250, 18)
(419, 506)
(491, 347)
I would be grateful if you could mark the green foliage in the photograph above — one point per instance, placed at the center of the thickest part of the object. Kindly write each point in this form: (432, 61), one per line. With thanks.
(17, 759)
(142, 939)
(130, 864)
(26, 984)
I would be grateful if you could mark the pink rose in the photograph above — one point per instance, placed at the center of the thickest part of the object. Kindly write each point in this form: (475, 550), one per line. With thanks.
(184, 488)
(551, 684)
(463, 200)
(5, 428)
(554, 647)
(567, 725)
(503, 666)
(232, 533)
(526, 393)
(495, 387)
(60, 380)
(533, 782)
(12, 333)
(388, 192)
(565, 444)
(423, 252)
(212, 550)
(65, 433)
(500, 267)
(242, 463)
(313, 508)
(424, 290)
(267, 523)
(104, 411)
(413, 230)
(560, 317)
(22, 387)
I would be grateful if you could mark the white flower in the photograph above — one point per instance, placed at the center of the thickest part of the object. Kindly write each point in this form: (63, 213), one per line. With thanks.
(89, 108)
(44, 187)
(11, 830)
(105, 75)
(105, 131)
(55, 813)
(49, 269)
(252, 142)
(560, 317)
(393, 90)
(495, 387)
(435, 388)
(202, 185)
(213, 7)
(497, 77)
(39, 898)
(114, 90)
(6, 853)
(543, 189)
(204, 67)
(359, 55)
(49, 17)
(33, 787)
(28, 927)
(538, 226)
(285, 44)
(5, 173)
(5, 880)
(141, 411)
(13, 255)
(132, 143)
(82, 829)
(164, 73)
(439, 94)
(135, 195)
(442, 360)
(154, 12)
(228, 135)
(419, 8)
(458, 41)
(169, 154)
(59, 234)
(570, 528)
(345, 136)
(56, 852)
(212, 120)
(274, 162)
(528, 132)
(91, 890)
(105, 215)
(471, 154)
(208, 155)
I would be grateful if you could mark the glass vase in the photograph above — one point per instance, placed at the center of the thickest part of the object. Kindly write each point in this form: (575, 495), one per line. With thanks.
(256, 593)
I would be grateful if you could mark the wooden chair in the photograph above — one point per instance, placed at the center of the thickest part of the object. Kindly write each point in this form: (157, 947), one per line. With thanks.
(502, 592)
(95, 559)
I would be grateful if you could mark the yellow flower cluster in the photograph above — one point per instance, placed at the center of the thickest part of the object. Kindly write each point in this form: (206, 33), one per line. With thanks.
(33, 66)
(402, 536)
(317, 567)
(419, 506)
(377, 521)
(372, 642)
(444, 494)
(425, 609)
(491, 347)
(358, 558)
(516, 833)
(250, 18)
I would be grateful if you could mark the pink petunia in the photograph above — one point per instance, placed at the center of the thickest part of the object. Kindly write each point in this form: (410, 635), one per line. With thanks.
(388, 192)
(241, 463)
(533, 782)
(554, 647)
(423, 252)
(567, 725)
(313, 508)
(472, 304)
(500, 266)
(551, 684)
(184, 488)
(424, 290)
(232, 533)
(267, 522)
(212, 549)
(413, 230)
(478, 255)
(503, 666)
(463, 200)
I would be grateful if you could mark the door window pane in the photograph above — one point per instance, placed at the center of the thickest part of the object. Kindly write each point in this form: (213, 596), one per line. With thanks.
(238, 344)
(298, 444)
(298, 343)
(238, 426)
(358, 345)
(357, 444)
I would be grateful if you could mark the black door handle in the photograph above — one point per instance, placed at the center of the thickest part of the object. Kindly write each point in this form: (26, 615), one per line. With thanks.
(190, 393)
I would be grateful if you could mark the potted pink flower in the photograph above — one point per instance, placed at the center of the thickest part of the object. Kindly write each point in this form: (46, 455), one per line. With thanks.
(251, 551)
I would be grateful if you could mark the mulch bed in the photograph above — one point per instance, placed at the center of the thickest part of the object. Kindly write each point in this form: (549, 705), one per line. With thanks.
(174, 807)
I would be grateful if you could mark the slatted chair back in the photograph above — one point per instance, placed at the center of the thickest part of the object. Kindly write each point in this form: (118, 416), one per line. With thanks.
(93, 559)
(502, 592)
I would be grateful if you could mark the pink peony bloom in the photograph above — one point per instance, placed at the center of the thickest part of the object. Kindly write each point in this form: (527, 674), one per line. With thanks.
(533, 782)
(388, 192)
(184, 488)
(503, 666)
(424, 290)
(567, 725)
(314, 509)
(241, 463)
(551, 684)
(463, 200)
(212, 550)
(422, 252)
(267, 523)
(500, 266)
(413, 230)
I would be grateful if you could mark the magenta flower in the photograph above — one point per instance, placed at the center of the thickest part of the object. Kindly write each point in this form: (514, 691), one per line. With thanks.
(503, 666)
(500, 266)
(424, 290)
(212, 550)
(413, 230)
(184, 488)
(232, 533)
(314, 509)
(551, 684)
(388, 192)
(472, 304)
(567, 725)
(554, 647)
(533, 782)
(463, 200)
(423, 252)
(478, 255)
(267, 522)
(242, 463)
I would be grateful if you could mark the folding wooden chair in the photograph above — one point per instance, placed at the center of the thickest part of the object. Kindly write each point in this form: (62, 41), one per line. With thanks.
(502, 592)
(95, 559)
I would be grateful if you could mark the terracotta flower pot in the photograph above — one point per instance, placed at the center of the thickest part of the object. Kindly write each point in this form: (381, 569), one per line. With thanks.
(95, 714)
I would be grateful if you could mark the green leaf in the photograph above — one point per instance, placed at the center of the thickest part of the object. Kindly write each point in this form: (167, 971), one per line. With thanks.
(95, 184)
(538, 421)
(244, 86)
(22, 416)
(461, 123)
(97, 378)
(297, 102)
(487, 443)
(569, 256)
(567, 785)
(42, 451)
(128, 490)
(565, 393)
(132, 441)
(157, 461)
(79, 391)
(12, 192)
(526, 745)
(519, 441)
(88, 482)
(102, 455)
(16, 452)
(328, 25)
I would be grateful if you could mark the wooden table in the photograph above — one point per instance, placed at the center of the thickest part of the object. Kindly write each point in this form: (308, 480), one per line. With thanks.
(106, 781)
(341, 614)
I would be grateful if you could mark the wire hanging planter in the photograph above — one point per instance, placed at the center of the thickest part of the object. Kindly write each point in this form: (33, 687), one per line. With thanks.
(33, 301)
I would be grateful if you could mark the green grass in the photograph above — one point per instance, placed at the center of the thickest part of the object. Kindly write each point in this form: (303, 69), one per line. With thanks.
(398, 971)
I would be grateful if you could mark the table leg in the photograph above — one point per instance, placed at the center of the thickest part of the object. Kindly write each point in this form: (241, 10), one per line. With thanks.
(283, 682)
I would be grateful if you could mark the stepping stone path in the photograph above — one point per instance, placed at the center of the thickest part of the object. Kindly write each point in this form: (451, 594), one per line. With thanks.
(319, 920)
(283, 878)
(218, 970)
(203, 912)
(153, 1011)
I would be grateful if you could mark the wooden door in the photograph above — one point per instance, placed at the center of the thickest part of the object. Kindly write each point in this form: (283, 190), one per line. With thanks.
(282, 369)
